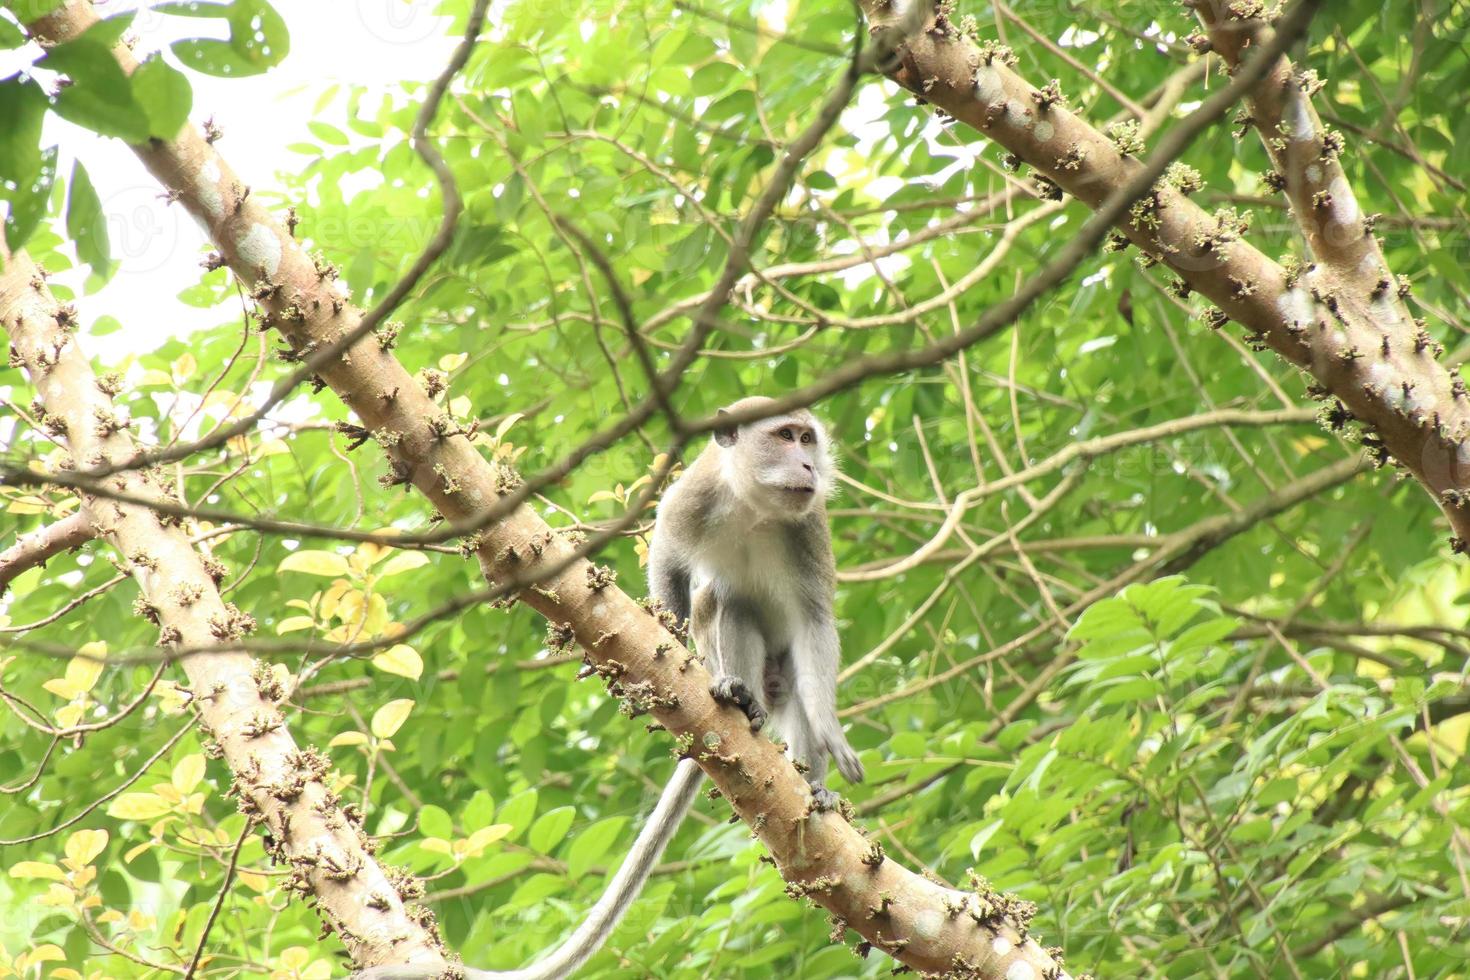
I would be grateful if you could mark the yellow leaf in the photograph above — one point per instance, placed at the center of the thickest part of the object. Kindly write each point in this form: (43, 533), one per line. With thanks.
(318, 970)
(152, 378)
(183, 367)
(48, 953)
(228, 400)
(476, 843)
(37, 869)
(460, 407)
(84, 845)
(109, 917)
(172, 697)
(402, 660)
(168, 794)
(331, 598)
(292, 623)
(255, 882)
(62, 688)
(138, 806)
(349, 608)
(437, 845)
(135, 850)
(82, 671)
(347, 738)
(377, 615)
(451, 361)
(602, 495)
(188, 772)
(57, 896)
(405, 561)
(326, 563)
(391, 716)
(506, 423)
(65, 973)
(272, 447)
(70, 715)
(295, 957)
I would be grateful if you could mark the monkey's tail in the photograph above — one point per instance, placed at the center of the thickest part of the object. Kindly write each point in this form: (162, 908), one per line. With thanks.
(587, 938)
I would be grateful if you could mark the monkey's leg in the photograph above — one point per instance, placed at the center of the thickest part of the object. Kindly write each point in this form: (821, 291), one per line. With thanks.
(738, 659)
(814, 658)
(802, 742)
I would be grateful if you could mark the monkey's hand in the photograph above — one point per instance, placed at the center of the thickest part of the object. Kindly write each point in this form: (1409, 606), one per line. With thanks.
(732, 690)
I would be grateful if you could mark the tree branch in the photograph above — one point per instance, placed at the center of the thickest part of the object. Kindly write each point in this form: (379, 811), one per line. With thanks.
(1352, 339)
(277, 780)
(42, 544)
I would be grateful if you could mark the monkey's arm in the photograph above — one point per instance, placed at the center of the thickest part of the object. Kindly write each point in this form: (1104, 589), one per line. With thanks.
(668, 568)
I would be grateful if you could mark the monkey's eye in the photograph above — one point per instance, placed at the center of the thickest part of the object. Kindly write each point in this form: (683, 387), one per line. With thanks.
(806, 438)
(786, 434)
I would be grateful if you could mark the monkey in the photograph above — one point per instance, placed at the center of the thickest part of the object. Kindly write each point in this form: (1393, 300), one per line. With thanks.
(741, 552)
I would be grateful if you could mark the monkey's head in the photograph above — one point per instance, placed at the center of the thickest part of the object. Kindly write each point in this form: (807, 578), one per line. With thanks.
(782, 464)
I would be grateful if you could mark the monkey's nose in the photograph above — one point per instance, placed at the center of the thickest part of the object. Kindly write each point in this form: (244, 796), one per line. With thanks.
(808, 467)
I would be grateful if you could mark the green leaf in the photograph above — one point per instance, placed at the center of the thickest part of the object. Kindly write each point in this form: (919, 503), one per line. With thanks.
(591, 844)
(28, 202)
(435, 822)
(86, 224)
(258, 40)
(164, 95)
(550, 829)
(11, 36)
(100, 96)
(518, 811)
(22, 111)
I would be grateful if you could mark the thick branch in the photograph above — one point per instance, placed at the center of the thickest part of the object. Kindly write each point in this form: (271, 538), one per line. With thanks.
(42, 544)
(278, 781)
(1354, 339)
(925, 925)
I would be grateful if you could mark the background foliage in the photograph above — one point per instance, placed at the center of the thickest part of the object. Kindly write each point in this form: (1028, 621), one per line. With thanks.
(1255, 770)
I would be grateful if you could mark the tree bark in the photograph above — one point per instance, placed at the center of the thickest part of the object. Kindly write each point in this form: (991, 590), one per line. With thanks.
(823, 857)
(44, 543)
(277, 781)
(1342, 320)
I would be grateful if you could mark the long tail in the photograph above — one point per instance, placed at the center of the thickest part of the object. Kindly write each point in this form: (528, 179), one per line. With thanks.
(625, 886)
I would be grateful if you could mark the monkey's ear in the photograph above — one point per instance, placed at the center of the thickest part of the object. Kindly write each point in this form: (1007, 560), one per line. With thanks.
(725, 435)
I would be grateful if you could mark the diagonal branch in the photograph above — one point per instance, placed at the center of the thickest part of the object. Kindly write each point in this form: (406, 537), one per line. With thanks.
(1352, 339)
(236, 698)
(42, 544)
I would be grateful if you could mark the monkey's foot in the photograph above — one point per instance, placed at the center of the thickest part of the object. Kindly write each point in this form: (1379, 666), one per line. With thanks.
(732, 690)
(824, 798)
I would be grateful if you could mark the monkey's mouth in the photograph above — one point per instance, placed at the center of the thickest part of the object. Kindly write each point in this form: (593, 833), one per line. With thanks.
(807, 490)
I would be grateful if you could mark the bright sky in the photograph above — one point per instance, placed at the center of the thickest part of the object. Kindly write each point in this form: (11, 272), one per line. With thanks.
(158, 248)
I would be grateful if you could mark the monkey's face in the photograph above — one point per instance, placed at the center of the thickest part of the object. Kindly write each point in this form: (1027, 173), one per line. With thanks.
(786, 463)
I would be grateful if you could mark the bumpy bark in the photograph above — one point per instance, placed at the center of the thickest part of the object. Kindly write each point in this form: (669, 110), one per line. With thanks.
(824, 857)
(36, 548)
(1341, 320)
(278, 781)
